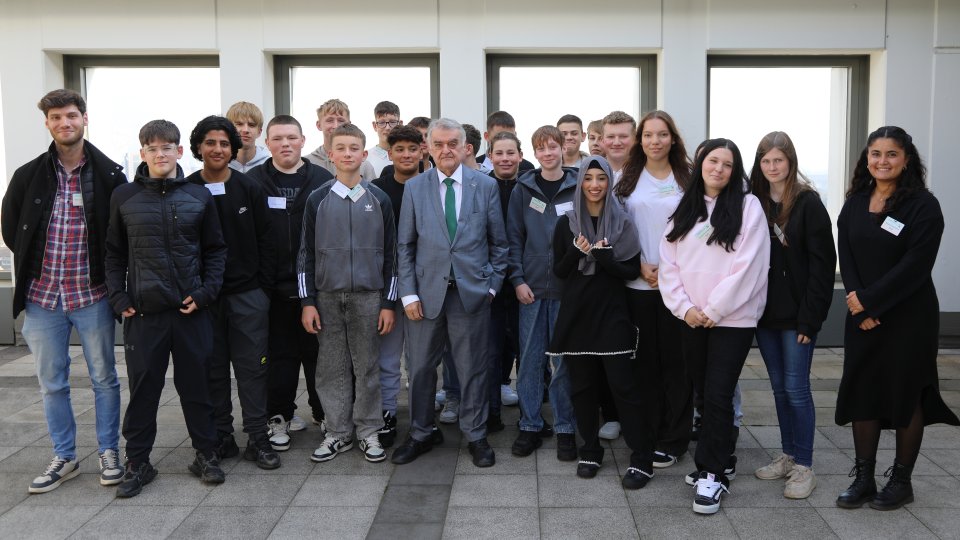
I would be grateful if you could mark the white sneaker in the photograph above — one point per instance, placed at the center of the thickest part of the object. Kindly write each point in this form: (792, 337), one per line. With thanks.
(111, 472)
(372, 450)
(330, 447)
(277, 431)
(451, 412)
(508, 396)
(709, 491)
(780, 467)
(59, 471)
(297, 424)
(609, 431)
(439, 399)
(800, 483)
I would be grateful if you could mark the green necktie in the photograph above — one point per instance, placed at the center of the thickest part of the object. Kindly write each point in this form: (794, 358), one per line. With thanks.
(450, 208)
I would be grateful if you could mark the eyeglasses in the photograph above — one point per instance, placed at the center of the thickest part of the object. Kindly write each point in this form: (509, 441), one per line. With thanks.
(167, 149)
(387, 123)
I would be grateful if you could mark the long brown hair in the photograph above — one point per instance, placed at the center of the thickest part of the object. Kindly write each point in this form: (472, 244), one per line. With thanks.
(637, 160)
(794, 184)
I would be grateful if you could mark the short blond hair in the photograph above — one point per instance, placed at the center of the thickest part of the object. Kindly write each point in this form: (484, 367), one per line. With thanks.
(333, 106)
(245, 110)
(618, 117)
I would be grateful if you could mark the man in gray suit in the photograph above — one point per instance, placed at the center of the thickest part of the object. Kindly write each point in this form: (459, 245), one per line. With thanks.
(452, 255)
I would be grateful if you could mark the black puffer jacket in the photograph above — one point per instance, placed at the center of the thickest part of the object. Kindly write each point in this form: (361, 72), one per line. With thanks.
(164, 243)
(26, 213)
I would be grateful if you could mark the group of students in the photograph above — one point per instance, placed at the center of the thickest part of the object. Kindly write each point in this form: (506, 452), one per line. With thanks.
(630, 279)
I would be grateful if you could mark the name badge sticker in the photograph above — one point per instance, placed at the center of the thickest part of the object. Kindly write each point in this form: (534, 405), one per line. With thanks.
(537, 204)
(216, 188)
(892, 226)
(704, 232)
(356, 193)
(277, 203)
(563, 208)
(666, 190)
(77, 199)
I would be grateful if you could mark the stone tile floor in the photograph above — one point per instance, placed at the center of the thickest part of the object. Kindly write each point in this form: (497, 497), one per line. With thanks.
(443, 495)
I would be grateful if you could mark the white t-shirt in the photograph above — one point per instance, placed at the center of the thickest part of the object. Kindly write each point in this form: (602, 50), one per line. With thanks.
(379, 158)
(650, 205)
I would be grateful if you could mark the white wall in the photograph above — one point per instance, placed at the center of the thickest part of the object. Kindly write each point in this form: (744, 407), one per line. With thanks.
(914, 47)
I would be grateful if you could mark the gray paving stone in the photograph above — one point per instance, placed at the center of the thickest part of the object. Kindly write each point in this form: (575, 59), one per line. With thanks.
(868, 524)
(436, 467)
(345, 490)
(780, 523)
(339, 523)
(748, 491)
(947, 459)
(829, 487)
(681, 523)
(228, 523)
(394, 531)
(842, 437)
(944, 522)
(139, 522)
(469, 523)
(169, 489)
(412, 504)
(935, 492)
(587, 523)
(509, 490)
(82, 490)
(13, 488)
(21, 521)
(22, 434)
(662, 491)
(941, 437)
(831, 462)
(255, 490)
(564, 492)
(507, 463)
(351, 462)
(33, 460)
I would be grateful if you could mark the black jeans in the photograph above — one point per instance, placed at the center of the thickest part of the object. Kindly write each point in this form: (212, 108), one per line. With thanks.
(588, 374)
(290, 346)
(659, 349)
(149, 341)
(504, 345)
(715, 356)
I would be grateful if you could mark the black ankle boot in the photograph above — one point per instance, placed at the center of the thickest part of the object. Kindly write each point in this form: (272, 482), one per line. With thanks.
(898, 491)
(864, 487)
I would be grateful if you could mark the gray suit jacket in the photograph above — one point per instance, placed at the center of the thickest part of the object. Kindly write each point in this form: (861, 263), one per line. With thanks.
(425, 250)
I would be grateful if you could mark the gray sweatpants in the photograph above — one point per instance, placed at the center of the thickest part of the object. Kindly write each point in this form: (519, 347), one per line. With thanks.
(349, 345)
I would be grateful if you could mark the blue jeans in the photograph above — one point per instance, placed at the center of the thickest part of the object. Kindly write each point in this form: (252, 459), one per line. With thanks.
(537, 321)
(788, 364)
(48, 335)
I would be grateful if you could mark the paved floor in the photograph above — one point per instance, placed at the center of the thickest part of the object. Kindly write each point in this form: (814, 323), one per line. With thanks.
(443, 495)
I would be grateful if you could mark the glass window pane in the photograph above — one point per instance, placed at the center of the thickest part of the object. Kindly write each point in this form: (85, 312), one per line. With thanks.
(361, 88)
(808, 103)
(538, 96)
(120, 100)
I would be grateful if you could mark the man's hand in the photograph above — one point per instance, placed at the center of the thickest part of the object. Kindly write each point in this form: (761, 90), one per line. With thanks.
(803, 340)
(414, 311)
(524, 294)
(129, 312)
(310, 319)
(649, 274)
(385, 322)
(869, 323)
(189, 306)
(853, 303)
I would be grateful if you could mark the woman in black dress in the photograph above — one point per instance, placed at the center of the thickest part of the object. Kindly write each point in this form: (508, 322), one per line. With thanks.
(595, 249)
(888, 236)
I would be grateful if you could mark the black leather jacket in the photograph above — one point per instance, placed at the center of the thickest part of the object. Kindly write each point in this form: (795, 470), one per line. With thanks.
(164, 243)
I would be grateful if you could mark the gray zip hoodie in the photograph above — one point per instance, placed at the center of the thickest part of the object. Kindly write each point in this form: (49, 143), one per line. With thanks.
(531, 219)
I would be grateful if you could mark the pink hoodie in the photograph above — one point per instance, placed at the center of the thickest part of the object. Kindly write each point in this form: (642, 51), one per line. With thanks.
(729, 287)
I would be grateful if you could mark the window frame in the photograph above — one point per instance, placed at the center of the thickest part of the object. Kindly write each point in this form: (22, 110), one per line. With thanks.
(74, 66)
(646, 63)
(283, 64)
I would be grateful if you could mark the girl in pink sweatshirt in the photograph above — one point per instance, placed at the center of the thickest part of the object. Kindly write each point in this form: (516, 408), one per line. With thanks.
(713, 275)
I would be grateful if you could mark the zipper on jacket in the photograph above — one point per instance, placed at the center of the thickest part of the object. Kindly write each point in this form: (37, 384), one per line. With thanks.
(350, 222)
(166, 234)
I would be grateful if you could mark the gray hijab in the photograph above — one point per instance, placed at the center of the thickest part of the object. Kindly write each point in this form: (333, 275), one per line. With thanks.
(614, 222)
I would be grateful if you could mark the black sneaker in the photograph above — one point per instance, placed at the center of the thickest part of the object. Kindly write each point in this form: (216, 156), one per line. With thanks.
(663, 460)
(436, 436)
(135, 476)
(587, 469)
(494, 423)
(258, 449)
(207, 468)
(709, 490)
(388, 433)
(636, 478)
(227, 446)
(526, 443)
(566, 446)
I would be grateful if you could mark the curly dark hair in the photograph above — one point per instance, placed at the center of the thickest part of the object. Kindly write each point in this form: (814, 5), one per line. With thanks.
(215, 123)
(913, 178)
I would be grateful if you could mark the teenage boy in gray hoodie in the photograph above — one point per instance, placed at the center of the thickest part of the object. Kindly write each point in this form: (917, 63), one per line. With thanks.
(347, 279)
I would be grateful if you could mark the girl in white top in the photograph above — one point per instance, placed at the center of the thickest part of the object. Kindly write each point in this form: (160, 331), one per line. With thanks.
(654, 177)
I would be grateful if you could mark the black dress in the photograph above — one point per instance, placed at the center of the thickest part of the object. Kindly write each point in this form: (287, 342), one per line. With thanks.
(888, 369)
(593, 317)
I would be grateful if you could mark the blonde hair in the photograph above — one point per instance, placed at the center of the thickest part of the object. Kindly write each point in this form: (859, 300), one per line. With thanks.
(333, 106)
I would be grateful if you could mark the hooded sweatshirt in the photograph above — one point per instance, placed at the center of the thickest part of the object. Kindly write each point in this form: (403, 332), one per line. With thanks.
(261, 155)
(730, 287)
